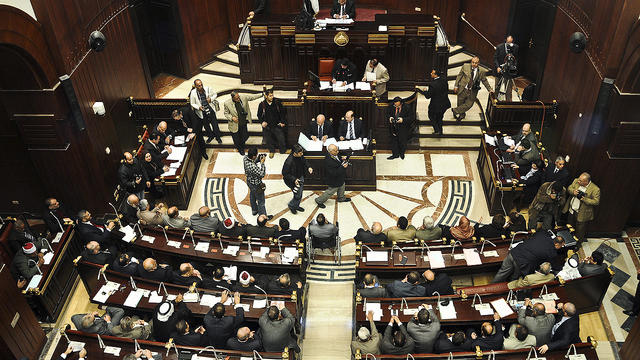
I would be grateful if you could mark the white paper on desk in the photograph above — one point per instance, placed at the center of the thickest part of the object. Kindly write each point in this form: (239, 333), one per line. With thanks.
(502, 308)
(179, 140)
(57, 238)
(208, 300)
(343, 145)
(76, 345)
(550, 296)
(129, 233)
(231, 250)
(47, 258)
(35, 281)
(308, 144)
(448, 311)
(190, 297)
(491, 140)
(170, 172)
(259, 304)
(231, 272)
(363, 85)
(509, 141)
(377, 256)
(264, 251)
(277, 303)
(436, 261)
(472, 257)
(356, 144)
(155, 298)
(458, 256)
(324, 85)
(490, 253)
(338, 87)
(102, 295)
(172, 243)
(574, 357)
(177, 153)
(171, 297)
(330, 141)
(149, 239)
(112, 286)
(175, 165)
(202, 246)
(382, 28)
(290, 252)
(375, 307)
(134, 298)
(115, 351)
(485, 309)
(246, 307)
(410, 312)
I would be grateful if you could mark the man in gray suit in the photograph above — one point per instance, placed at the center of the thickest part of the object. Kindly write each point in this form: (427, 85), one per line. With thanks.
(95, 324)
(368, 342)
(238, 114)
(593, 265)
(539, 323)
(467, 86)
(424, 329)
(275, 328)
(371, 287)
(407, 287)
(324, 231)
(203, 221)
(173, 219)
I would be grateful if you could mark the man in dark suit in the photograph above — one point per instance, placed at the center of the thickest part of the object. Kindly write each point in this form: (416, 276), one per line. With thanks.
(294, 169)
(370, 287)
(532, 181)
(375, 236)
(150, 270)
(433, 282)
(343, 72)
(55, 215)
(156, 149)
(525, 258)
(131, 176)
(130, 210)
(566, 331)
(334, 175)
(93, 253)
(557, 172)
(165, 317)
(399, 120)
(89, 230)
(592, 265)
(229, 227)
(190, 126)
(459, 342)
(499, 58)
(493, 230)
(95, 324)
(261, 230)
(320, 129)
(438, 92)
(184, 336)
(350, 127)
(187, 276)
(245, 340)
(491, 337)
(285, 233)
(219, 327)
(282, 285)
(123, 264)
(261, 7)
(20, 235)
(343, 9)
(165, 134)
(407, 287)
(216, 280)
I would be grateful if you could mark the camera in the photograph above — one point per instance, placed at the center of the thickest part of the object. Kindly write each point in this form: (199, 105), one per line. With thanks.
(260, 157)
(580, 194)
(510, 66)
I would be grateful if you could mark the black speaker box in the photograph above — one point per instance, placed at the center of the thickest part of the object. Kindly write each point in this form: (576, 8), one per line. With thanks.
(577, 42)
(74, 106)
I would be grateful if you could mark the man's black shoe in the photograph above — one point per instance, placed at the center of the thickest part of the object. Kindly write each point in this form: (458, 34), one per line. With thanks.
(293, 211)
(210, 139)
(300, 209)
(402, 156)
(321, 206)
(630, 313)
(219, 140)
(204, 155)
(392, 157)
(344, 200)
(269, 217)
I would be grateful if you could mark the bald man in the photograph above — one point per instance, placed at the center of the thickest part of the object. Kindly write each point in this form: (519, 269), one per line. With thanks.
(350, 127)
(439, 282)
(131, 176)
(245, 340)
(203, 221)
(320, 129)
(374, 236)
(94, 253)
(165, 135)
(537, 321)
(130, 210)
(467, 86)
(565, 331)
(187, 275)
(203, 99)
(334, 176)
(583, 197)
(152, 271)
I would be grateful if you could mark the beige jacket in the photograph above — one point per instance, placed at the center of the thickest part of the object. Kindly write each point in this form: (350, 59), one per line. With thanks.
(531, 279)
(588, 203)
(464, 76)
(230, 110)
(382, 76)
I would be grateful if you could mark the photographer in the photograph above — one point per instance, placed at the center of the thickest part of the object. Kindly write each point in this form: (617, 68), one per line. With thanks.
(271, 115)
(203, 100)
(255, 170)
(546, 205)
(293, 172)
(505, 61)
(131, 176)
(584, 196)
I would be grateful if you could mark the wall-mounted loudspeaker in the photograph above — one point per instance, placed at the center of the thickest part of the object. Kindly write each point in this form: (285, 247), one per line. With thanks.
(97, 41)
(74, 107)
(577, 42)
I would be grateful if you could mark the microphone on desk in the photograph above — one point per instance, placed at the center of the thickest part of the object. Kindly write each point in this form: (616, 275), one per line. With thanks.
(36, 264)
(171, 345)
(220, 241)
(514, 236)
(116, 211)
(476, 295)
(266, 297)
(162, 286)
(215, 352)
(133, 283)
(256, 355)
(403, 303)
(443, 303)
(136, 345)
(222, 287)
(137, 224)
(403, 259)
(453, 249)
(409, 355)
(193, 241)
(164, 231)
(366, 356)
(47, 242)
(55, 217)
(423, 244)
(100, 342)
(368, 248)
(483, 243)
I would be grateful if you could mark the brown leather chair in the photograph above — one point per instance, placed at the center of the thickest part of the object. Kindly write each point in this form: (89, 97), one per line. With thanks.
(325, 68)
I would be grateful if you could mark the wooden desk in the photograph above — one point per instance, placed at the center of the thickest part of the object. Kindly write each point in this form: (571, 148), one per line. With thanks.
(509, 116)
(281, 55)
(361, 174)
(94, 351)
(588, 349)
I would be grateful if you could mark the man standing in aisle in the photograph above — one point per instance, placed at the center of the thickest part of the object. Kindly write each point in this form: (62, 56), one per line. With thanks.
(583, 197)
(202, 101)
(293, 175)
(503, 79)
(398, 118)
(334, 175)
(238, 113)
(467, 87)
(255, 170)
(438, 92)
(377, 75)
(271, 115)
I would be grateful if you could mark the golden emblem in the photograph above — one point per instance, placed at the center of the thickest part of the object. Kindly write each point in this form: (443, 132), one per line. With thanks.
(341, 38)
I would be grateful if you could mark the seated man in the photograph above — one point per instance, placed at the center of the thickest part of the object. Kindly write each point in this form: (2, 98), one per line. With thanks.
(125, 264)
(184, 335)
(88, 230)
(541, 276)
(27, 262)
(525, 154)
(151, 217)
(275, 326)
(403, 232)
(173, 219)
(187, 276)
(440, 282)
(161, 130)
(20, 235)
(566, 331)
(324, 231)
(528, 255)
(407, 287)
(203, 221)
(519, 338)
(343, 72)
(245, 340)
(281, 285)
(516, 222)
(218, 279)
(320, 129)
(55, 215)
(537, 321)
(396, 341)
(150, 270)
(424, 329)
(165, 317)
(95, 324)
(132, 327)
(371, 287)
(93, 253)
(428, 231)
(368, 342)
(592, 265)
(375, 236)
(231, 228)
(130, 210)
(493, 230)
(247, 284)
(220, 327)
(343, 9)
(286, 234)
(491, 337)
(459, 342)
(261, 230)
(350, 128)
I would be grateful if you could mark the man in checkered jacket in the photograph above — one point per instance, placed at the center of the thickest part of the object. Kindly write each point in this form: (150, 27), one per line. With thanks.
(255, 170)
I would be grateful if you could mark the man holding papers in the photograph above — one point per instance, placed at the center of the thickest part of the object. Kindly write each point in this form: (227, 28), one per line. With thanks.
(350, 128)
(343, 72)
(376, 74)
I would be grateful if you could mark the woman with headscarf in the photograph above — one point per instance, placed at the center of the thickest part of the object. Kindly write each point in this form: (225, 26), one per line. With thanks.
(463, 231)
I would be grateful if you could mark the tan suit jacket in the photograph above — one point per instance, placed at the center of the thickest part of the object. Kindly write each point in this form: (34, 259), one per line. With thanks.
(464, 76)
(230, 110)
(382, 76)
(531, 279)
(399, 235)
(588, 203)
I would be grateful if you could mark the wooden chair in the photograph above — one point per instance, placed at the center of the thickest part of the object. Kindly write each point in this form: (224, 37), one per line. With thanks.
(325, 68)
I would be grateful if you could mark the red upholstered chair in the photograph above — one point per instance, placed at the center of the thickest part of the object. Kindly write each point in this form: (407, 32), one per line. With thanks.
(325, 68)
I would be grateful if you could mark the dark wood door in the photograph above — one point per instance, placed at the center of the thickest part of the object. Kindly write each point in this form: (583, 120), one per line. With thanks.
(531, 25)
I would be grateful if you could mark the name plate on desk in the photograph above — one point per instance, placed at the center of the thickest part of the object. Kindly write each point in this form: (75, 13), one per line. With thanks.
(377, 256)
(404, 259)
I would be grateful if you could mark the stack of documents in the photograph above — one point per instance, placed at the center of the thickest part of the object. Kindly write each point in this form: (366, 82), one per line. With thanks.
(377, 256)
(447, 311)
(502, 308)
(290, 254)
(57, 238)
(129, 233)
(350, 144)
(330, 21)
(190, 297)
(115, 351)
(472, 257)
(172, 243)
(209, 300)
(177, 153)
(436, 260)
(154, 298)
(231, 273)
(375, 307)
(179, 140)
(47, 257)
(339, 87)
(203, 246)
(308, 144)
(149, 239)
(259, 304)
(231, 250)
(324, 85)
(170, 172)
(364, 85)
(134, 298)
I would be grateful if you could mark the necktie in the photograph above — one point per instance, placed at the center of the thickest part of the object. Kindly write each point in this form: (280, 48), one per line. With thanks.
(397, 111)
(555, 171)
(342, 10)
(473, 76)
(320, 131)
(350, 133)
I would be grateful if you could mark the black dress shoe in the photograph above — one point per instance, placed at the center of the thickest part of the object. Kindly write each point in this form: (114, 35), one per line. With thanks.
(205, 156)
(210, 139)
(269, 217)
(344, 200)
(219, 140)
(293, 211)
(402, 156)
(392, 157)
(630, 313)
(321, 206)
(462, 116)
(300, 209)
